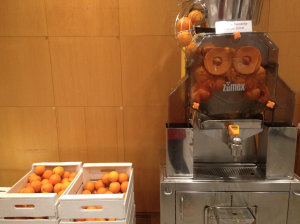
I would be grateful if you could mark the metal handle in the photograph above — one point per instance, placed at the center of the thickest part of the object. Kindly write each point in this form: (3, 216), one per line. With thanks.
(181, 207)
(297, 193)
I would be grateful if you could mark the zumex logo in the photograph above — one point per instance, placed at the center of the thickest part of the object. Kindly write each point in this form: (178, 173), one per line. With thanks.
(228, 87)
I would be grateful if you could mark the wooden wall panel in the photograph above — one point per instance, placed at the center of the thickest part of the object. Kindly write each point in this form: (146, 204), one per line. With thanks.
(144, 134)
(284, 16)
(83, 17)
(86, 71)
(289, 54)
(23, 18)
(147, 190)
(150, 68)
(264, 19)
(102, 133)
(25, 70)
(28, 135)
(10, 177)
(72, 134)
(155, 17)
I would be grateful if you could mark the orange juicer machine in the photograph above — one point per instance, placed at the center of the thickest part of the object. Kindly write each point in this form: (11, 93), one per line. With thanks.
(231, 142)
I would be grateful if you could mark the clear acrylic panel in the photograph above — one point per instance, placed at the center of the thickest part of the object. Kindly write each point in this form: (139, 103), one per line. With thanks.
(234, 78)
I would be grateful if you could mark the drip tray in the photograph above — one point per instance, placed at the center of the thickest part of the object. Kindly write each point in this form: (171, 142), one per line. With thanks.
(226, 171)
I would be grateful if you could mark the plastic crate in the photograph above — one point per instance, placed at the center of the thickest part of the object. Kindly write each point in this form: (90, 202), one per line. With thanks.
(29, 221)
(129, 220)
(114, 205)
(45, 205)
(4, 190)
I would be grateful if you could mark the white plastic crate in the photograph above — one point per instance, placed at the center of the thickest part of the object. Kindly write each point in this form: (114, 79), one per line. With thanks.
(114, 205)
(129, 220)
(4, 190)
(30, 221)
(45, 205)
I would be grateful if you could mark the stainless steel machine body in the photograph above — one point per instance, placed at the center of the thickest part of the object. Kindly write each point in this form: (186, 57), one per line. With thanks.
(201, 180)
(198, 200)
(231, 159)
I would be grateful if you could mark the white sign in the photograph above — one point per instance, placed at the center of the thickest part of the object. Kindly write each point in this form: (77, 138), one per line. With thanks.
(233, 26)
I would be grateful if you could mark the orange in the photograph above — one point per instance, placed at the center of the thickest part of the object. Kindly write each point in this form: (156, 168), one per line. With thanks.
(89, 186)
(39, 170)
(65, 185)
(204, 94)
(253, 94)
(71, 179)
(124, 186)
(108, 192)
(196, 17)
(65, 180)
(105, 178)
(115, 187)
(28, 185)
(57, 188)
(184, 24)
(45, 181)
(98, 207)
(91, 207)
(124, 195)
(36, 185)
(30, 176)
(79, 220)
(73, 175)
(101, 190)
(22, 190)
(83, 207)
(54, 179)
(47, 174)
(193, 50)
(184, 38)
(47, 188)
(123, 177)
(94, 192)
(99, 184)
(59, 170)
(113, 176)
(66, 174)
(60, 193)
(111, 220)
(35, 178)
(86, 192)
(28, 190)
(100, 219)
(90, 220)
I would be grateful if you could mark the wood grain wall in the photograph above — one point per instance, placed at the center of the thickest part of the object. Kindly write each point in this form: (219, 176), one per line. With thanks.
(87, 80)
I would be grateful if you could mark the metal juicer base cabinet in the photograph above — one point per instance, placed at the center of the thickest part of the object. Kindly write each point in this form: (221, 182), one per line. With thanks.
(218, 202)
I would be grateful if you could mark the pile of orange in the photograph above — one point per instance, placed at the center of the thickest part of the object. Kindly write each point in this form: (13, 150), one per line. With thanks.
(48, 181)
(111, 183)
(185, 24)
(91, 219)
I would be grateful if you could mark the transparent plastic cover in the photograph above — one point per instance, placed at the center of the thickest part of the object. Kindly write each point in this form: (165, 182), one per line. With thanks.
(233, 78)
